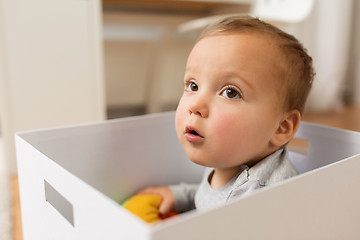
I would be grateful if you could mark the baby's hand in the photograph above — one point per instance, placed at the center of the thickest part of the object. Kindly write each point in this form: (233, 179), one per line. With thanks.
(167, 205)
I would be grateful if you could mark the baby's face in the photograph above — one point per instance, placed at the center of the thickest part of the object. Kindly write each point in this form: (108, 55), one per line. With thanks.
(232, 103)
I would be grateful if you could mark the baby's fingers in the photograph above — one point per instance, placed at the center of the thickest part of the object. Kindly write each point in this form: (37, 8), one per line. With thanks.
(168, 201)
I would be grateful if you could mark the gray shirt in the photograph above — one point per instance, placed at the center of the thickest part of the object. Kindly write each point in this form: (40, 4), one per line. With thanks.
(272, 169)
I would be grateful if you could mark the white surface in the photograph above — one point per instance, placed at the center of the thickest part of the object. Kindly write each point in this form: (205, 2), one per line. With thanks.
(284, 11)
(274, 11)
(88, 164)
(51, 59)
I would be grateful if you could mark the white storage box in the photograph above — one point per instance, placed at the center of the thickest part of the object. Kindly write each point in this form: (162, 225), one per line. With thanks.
(70, 178)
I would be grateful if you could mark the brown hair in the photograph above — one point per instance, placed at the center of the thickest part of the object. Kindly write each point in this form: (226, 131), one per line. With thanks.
(299, 72)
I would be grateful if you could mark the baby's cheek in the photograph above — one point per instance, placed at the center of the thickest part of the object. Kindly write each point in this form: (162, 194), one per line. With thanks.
(225, 123)
(232, 130)
(179, 120)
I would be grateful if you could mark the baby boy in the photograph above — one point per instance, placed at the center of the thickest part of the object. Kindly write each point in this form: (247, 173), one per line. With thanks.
(245, 86)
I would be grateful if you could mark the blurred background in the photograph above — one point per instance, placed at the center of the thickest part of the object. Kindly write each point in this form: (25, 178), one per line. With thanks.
(69, 62)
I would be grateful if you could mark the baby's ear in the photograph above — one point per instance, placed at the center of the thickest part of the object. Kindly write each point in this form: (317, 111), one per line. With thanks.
(287, 128)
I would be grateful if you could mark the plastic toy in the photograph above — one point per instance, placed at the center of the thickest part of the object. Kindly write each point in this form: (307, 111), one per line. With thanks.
(146, 207)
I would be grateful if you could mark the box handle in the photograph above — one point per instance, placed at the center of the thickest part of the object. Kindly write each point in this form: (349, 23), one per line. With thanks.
(59, 202)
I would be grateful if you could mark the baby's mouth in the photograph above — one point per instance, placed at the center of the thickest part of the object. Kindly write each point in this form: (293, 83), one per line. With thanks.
(192, 131)
(195, 133)
(193, 136)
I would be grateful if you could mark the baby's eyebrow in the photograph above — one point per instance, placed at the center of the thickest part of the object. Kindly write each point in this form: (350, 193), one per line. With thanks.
(232, 75)
(189, 73)
(189, 69)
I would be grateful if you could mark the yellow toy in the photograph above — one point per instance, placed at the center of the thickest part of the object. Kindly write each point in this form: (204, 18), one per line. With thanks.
(146, 207)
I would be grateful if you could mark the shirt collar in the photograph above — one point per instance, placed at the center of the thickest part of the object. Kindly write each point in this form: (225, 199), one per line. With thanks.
(262, 170)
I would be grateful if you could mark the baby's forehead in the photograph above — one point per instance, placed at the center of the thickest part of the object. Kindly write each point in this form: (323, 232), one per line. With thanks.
(249, 33)
(249, 47)
(246, 53)
(268, 43)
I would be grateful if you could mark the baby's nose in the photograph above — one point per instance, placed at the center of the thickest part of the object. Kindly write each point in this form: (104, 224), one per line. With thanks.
(199, 106)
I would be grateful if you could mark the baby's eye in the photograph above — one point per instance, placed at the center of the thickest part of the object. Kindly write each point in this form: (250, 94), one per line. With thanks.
(230, 93)
(191, 87)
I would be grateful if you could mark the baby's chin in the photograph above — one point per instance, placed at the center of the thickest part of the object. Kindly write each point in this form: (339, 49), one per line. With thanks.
(203, 162)
(199, 157)
(209, 164)
(198, 161)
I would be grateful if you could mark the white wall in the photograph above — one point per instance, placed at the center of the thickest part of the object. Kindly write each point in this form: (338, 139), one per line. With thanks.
(51, 62)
